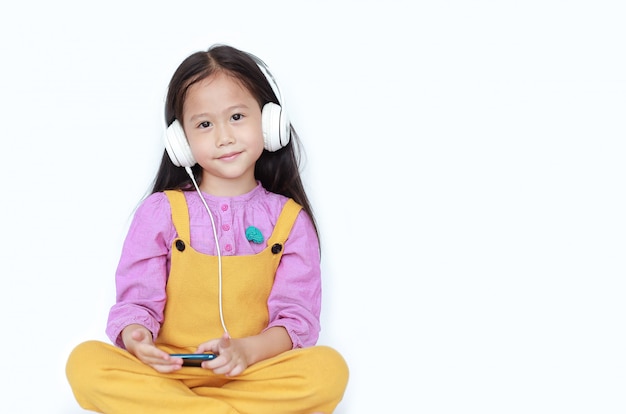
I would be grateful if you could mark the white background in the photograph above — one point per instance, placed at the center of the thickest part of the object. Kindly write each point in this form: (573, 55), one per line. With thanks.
(466, 161)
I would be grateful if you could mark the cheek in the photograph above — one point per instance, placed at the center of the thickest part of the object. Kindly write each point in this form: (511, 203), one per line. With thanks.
(198, 146)
(257, 141)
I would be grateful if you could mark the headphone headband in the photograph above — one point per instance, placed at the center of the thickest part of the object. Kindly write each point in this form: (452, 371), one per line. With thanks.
(268, 75)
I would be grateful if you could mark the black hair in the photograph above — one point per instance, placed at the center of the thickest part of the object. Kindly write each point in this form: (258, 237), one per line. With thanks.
(279, 171)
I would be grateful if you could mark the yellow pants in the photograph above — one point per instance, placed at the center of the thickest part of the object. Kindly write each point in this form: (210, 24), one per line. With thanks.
(110, 380)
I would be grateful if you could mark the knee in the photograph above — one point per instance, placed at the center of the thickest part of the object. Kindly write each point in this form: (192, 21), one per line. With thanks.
(332, 369)
(81, 364)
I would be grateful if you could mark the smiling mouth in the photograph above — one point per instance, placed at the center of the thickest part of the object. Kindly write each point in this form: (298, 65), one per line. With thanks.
(229, 156)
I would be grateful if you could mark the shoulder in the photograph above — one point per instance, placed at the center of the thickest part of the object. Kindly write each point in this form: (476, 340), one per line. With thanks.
(152, 220)
(156, 206)
(272, 201)
(155, 201)
(303, 228)
(276, 202)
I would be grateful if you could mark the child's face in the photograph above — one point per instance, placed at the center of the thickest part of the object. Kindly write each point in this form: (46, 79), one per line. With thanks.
(222, 122)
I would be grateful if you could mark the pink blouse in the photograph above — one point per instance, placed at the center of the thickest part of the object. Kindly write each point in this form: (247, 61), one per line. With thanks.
(142, 272)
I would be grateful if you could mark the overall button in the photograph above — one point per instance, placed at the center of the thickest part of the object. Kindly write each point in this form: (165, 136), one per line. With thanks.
(228, 247)
(225, 227)
(180, 245)
(224, 207)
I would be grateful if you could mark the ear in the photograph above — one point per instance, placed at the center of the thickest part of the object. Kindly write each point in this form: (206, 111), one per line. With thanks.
(276, 131)
(177, 146)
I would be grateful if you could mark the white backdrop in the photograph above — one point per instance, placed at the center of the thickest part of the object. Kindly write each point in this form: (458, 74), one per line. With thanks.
(465, 161)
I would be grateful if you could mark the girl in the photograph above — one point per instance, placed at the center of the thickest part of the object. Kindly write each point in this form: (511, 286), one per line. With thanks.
(221, 258)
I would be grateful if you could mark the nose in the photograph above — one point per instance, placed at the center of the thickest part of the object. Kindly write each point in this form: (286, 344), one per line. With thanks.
(224, 135)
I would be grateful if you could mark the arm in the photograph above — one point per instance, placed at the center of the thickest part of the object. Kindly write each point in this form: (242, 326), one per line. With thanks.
(235, 355)
(267, 344)
(142, 270)
(295, 300)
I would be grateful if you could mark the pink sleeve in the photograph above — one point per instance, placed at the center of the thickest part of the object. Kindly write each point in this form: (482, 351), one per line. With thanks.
(142, 270)
(295, 299)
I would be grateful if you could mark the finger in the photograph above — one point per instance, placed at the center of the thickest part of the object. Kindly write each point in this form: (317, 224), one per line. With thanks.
(210, 346)
(166, 367)
(225, 340)
(238, 369)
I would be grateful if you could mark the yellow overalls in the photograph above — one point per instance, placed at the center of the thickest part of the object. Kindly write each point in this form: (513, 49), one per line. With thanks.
(107, 379)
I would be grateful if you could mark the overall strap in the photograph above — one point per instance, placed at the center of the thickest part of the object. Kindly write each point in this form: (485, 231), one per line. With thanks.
(285, 222)
(180, 213)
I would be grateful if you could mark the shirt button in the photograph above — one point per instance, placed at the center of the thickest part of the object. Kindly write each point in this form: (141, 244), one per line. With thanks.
(224, 207)
(228, 247)
(225, 227)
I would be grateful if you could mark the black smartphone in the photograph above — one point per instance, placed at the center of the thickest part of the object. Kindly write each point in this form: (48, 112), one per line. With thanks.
(194, 360)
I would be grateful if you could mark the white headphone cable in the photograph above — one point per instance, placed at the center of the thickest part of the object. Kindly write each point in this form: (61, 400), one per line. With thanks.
(217, 248)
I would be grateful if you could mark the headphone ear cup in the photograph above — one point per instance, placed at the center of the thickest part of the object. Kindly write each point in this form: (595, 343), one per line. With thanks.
(275, 127)
(177, 146)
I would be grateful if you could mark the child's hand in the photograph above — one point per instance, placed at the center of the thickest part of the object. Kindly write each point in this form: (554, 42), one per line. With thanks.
(138, 341)
(231, 360)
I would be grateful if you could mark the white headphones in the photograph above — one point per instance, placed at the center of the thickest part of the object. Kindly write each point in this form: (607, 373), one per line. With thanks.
(274, 121)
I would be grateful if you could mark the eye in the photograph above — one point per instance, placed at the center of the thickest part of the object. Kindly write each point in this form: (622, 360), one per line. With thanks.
(237, 117)
(204, 124)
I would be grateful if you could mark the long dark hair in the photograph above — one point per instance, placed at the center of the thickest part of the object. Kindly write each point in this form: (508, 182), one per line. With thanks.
(277, 171)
